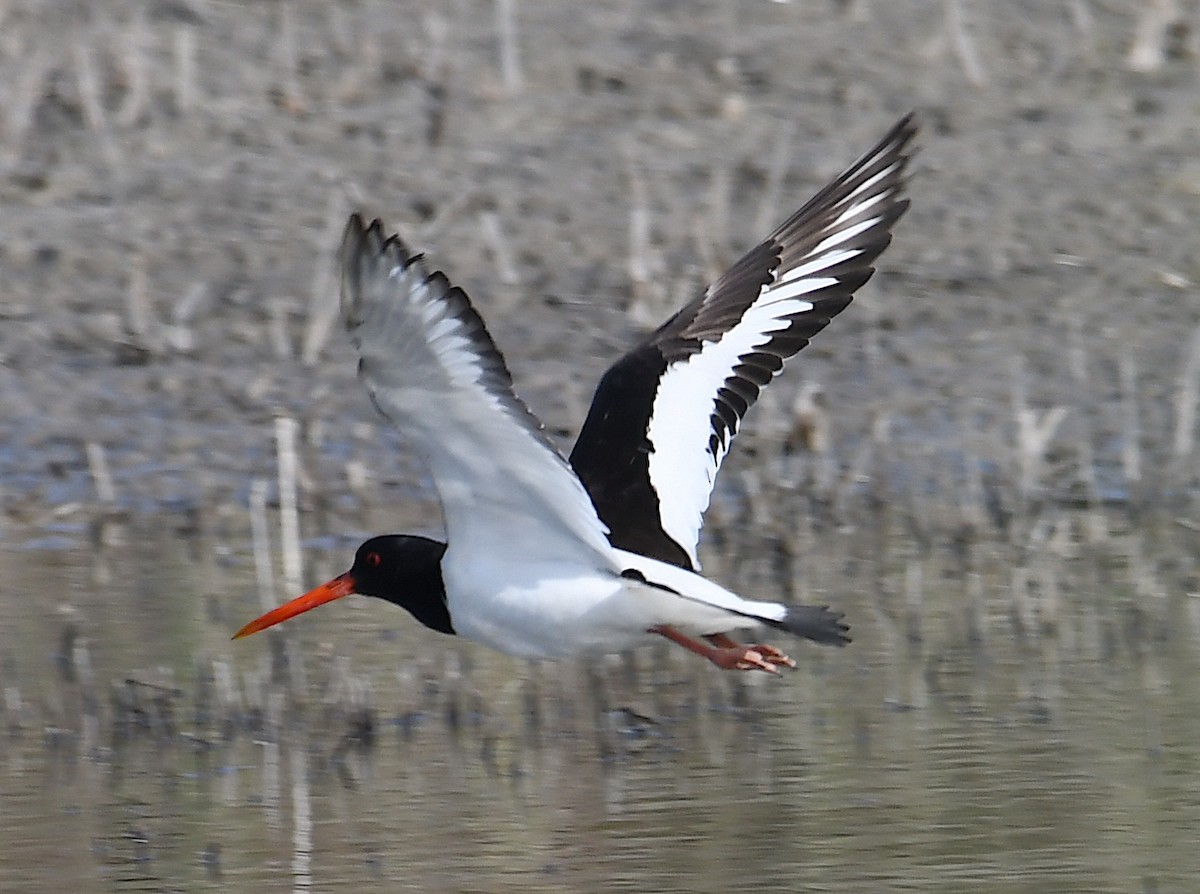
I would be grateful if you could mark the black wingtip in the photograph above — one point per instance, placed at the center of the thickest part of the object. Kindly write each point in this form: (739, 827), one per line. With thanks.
(819, 623)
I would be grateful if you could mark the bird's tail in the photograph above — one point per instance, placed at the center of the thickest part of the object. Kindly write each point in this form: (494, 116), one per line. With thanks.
(819, 623)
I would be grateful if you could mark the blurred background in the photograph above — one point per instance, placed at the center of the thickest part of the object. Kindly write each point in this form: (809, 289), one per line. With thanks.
(988, 461)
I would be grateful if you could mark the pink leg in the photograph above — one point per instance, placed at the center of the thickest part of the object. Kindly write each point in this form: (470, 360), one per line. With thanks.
(727, 654)
(770, 653)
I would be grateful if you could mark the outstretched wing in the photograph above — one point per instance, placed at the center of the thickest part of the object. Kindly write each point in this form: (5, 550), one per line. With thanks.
(434, 372)
(664, 415)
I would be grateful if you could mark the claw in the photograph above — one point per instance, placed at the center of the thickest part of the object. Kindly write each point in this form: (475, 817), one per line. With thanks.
(745, 659)
(773, 655)
(728, 654)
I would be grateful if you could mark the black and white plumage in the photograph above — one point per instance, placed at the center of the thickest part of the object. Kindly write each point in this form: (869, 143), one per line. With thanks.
(547, 558)
(664, 415)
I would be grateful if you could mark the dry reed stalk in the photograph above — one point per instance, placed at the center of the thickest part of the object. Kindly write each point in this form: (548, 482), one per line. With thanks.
(260, 538)
(188, 306)
(1144, 576)
(289, 514)
(139, 317)
(1095, 525)
(1024, 618)
(1085, 26)
(1187, 393)
(972, 497)
(184, 51)
(768, 208)
(277, 328)
(1034, 432)
(90, 97)
(500, 247)
(975, 610)
(22, 101)
(1131, 449)
(97, 461)
(229, 699)
(510, 51)
(963, 44)
(14, 716)
(871, 317)
(1049, 605)
(272, 784)
(914, 602)
(132, 60)
(720, 200)
(291, 96)
(644, 308)
(323, 300)
(1148, 51)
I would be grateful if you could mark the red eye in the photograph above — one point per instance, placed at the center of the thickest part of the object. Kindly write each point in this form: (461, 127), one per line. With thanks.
(373, 559)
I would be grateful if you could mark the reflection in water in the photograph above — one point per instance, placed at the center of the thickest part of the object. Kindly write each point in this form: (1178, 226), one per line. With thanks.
(955, 748)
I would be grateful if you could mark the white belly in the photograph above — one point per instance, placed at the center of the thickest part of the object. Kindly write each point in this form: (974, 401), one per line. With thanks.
(558, 613)
(540, 611)
(551, 616)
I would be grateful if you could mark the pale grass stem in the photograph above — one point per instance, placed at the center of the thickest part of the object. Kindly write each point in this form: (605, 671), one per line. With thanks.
(323, 299)
(137, 81)
(90, 97)
(500, 247)
(720, 200)
(292, 97)
(1024, 617)
(1187, 393)
(139, 315)
(186, 91)
(975, 610)
(1148, 51)
(646, 297)
(260, 538)
(768, 208)
(1085, 26)
(277, 327)
(286, 429)
(97, 461)
(1034, 431)
(963, 44)
(1131, 451)
(21, 102)
(914, 601)
(510, 51)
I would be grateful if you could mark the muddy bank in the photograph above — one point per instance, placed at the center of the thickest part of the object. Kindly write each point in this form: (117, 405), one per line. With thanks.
(174, 177)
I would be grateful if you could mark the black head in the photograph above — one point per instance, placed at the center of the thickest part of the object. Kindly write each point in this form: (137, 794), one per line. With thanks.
(402, 569)
(406, 571)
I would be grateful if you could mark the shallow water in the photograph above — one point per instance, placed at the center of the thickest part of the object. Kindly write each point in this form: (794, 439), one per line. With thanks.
(1062, 763)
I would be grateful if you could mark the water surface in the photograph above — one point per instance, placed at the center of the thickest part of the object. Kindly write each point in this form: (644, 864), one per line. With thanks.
(1037, 763)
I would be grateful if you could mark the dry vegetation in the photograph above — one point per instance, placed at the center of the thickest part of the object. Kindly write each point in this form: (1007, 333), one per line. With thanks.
(1010, 406)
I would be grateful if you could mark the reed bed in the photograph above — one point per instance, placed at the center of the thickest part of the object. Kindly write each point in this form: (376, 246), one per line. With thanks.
(992, 453)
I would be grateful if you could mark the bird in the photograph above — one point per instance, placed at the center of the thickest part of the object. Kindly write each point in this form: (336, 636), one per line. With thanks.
(548, 557)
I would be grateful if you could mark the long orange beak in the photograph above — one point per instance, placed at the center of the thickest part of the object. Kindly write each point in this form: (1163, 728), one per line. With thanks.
(342, 585)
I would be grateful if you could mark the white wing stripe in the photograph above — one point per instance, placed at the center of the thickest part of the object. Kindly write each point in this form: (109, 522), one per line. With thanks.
(818, 264)
(857, 209)
(681, 465)
(869, 184)
(785, 291)
(843, 235)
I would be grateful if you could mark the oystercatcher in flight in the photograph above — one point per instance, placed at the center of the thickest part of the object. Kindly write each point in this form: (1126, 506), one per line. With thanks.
(549, 558)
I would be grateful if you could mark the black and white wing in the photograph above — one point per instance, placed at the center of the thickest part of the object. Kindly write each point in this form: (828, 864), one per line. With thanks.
(664, 415)
(434, 372)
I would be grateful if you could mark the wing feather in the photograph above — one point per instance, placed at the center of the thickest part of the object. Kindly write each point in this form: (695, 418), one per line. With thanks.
(434, 372)
(665, 414)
